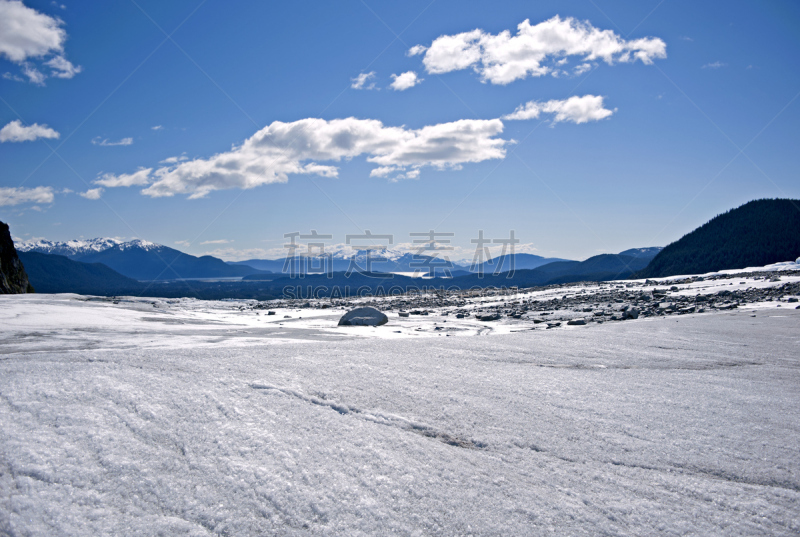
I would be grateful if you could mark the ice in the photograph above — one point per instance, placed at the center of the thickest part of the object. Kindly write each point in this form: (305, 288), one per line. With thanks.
(184, 417)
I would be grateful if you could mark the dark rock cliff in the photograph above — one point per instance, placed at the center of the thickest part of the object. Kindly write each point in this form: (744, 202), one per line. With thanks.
(13, 278)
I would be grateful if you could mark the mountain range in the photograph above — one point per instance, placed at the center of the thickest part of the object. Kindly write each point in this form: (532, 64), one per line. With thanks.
(758, 233)
(139, 259)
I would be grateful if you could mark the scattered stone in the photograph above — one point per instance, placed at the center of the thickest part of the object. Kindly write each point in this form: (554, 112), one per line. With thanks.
(631, 313)
(488, 317)
(577, 322)
(403, 314)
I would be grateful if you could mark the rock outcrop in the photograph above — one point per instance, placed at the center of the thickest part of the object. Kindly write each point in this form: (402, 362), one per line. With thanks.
(13, 279)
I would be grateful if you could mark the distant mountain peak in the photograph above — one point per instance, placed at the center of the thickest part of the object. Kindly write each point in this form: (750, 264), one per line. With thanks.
(138, 243)
(69, 248)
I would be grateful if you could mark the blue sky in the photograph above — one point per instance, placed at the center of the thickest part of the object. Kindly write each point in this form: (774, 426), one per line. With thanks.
(644, 152)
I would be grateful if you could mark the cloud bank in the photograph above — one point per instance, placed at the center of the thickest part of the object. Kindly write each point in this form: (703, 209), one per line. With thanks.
(17, 132)
(280, 149)
(534, 50)
(308, 146)
(26, 34)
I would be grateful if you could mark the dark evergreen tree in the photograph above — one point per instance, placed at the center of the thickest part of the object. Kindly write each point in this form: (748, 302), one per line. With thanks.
(758, 233)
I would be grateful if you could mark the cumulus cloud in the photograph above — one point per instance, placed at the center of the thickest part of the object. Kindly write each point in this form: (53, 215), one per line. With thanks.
(575, 109)
(503, 58)
(157, 127)
(360, 82)
(19, 195)
(281, 149)
(714, 65)
(309, 146)
(91, 194)
(17, 132)
(404, 81)
(26, 34)
(107, 143)
(138, 178)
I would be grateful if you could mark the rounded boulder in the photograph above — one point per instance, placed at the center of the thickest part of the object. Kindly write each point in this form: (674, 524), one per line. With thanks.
(363, 317)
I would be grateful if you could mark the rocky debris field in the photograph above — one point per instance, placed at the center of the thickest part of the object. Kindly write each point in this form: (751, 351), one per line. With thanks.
(581, 303)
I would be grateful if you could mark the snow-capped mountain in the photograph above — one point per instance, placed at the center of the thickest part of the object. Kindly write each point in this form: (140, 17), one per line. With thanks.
(139, 259)
(71, 248)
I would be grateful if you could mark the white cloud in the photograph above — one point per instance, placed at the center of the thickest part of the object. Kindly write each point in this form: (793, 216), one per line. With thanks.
(714, 65)
(19, 195)
(107, 143)
(416, 50)
(307, 146)
(91, 194)
(218, 241)
(183, 243)
(503, 58)
(361, 80)
(174, 160)
(157, 128)
(138, 178)
(575, 109)
(404, 81)
(34, 75)
(234, 254)
(17, 132)
(281, 149)
(10, 76)
(27, 34)
(62, 68)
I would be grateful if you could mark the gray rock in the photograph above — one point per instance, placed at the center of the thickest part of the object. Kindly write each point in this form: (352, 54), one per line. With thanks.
(488, 317)
(403, 314)
(577, 322)
(631, 313)
(363, 317)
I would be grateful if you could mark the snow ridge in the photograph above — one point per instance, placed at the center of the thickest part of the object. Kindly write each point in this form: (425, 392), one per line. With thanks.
(81, 247)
